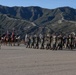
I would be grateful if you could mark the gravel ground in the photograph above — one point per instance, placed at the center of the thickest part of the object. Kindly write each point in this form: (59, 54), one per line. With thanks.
(24, 61)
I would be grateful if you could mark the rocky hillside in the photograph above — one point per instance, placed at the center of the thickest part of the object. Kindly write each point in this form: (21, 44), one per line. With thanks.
(36, 20)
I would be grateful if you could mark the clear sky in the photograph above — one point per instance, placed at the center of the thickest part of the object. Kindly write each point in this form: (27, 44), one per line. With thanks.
(42, 3)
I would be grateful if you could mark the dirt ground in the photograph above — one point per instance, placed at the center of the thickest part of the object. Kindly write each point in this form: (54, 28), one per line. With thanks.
(16, 60)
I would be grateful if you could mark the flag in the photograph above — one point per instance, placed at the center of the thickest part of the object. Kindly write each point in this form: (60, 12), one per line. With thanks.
(7, 33)
(13, 33)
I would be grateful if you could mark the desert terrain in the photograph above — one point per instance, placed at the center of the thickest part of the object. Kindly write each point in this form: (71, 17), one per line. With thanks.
(19, 60)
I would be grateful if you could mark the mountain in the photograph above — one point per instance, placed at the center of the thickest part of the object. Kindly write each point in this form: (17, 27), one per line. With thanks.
(36, 20)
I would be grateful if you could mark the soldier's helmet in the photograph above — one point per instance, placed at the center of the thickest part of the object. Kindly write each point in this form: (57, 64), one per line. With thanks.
(73, 33)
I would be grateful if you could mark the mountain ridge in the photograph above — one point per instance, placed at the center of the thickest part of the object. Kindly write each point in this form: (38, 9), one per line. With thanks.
(36, 20)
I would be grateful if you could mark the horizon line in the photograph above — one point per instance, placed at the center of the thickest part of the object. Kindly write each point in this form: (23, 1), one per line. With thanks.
(36, 6)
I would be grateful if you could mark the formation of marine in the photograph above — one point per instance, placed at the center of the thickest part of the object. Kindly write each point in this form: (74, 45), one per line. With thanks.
(10, 38)
(47, 41)
(51, 41)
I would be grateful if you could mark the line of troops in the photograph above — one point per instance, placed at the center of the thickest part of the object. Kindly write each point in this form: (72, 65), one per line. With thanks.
(52, 42)
(10, 39)
(49, 41)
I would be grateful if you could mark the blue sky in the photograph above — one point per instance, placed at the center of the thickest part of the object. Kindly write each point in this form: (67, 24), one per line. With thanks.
(42, 3)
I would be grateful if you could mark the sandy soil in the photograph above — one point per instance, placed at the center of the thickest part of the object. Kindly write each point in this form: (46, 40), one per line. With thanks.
(23, 61)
